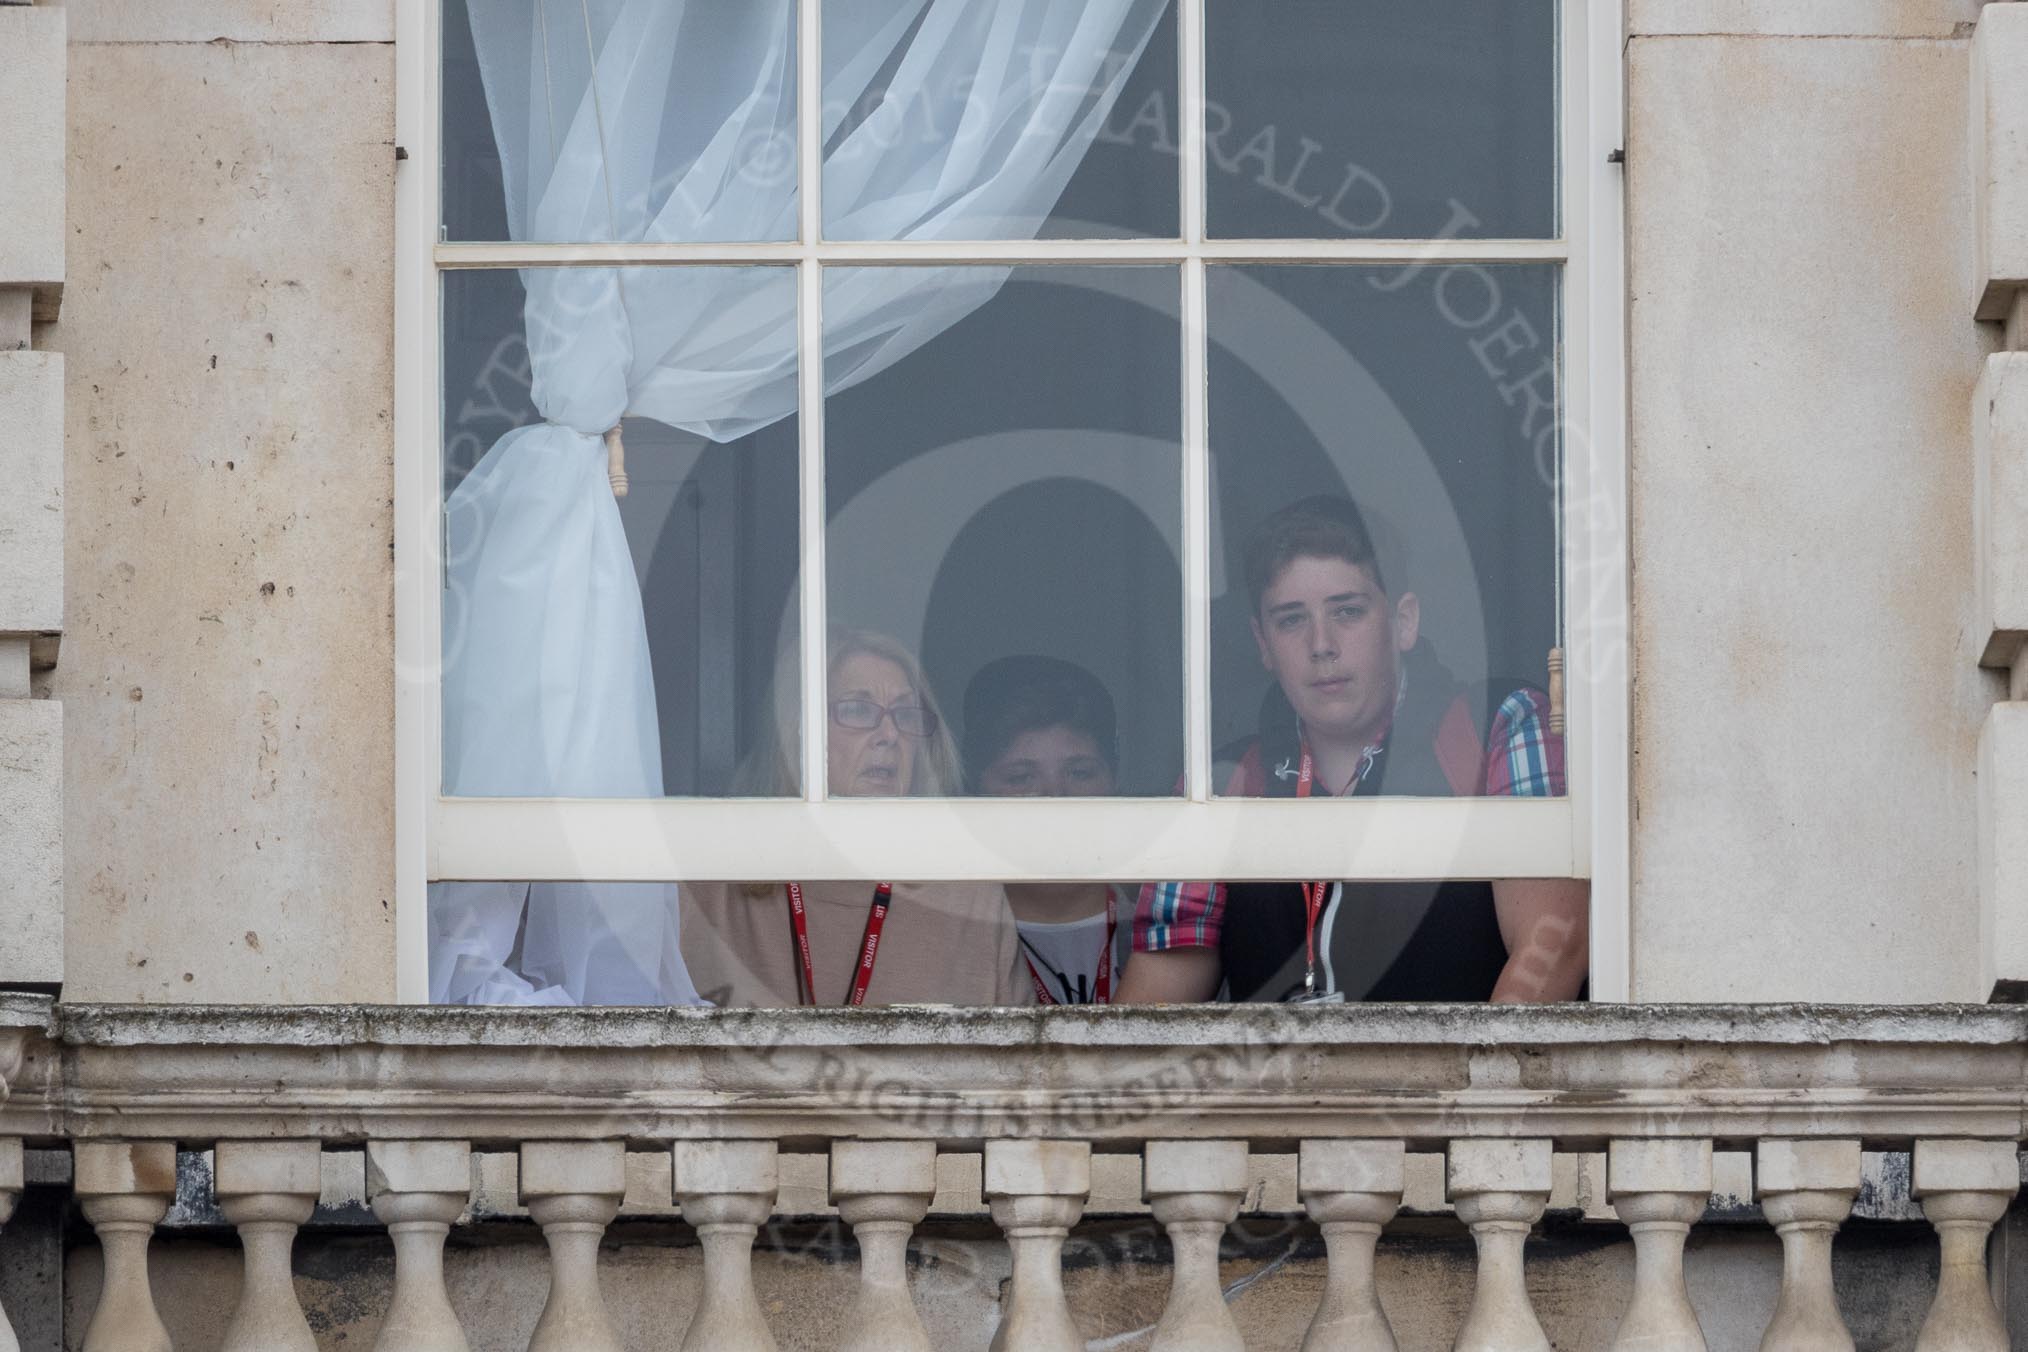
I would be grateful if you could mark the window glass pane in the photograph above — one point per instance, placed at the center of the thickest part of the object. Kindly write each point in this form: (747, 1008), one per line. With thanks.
(688, 135)
(603, 647)
(1003, 492)
(732, 944)
(980, 121)
(1381, 118)
(1385, 449)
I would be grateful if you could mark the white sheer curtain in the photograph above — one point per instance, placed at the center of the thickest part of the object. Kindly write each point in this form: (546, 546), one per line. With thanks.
(674, 120)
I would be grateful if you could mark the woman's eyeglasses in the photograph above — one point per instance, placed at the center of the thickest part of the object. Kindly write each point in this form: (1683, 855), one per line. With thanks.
(863, 715)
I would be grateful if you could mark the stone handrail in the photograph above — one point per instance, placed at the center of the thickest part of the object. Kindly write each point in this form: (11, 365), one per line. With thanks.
(1351, 1090)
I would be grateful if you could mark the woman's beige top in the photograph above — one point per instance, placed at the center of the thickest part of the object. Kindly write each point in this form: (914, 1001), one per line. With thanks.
(944, 943)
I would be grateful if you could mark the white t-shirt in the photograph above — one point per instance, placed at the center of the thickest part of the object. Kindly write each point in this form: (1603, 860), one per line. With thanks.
(1065, 956)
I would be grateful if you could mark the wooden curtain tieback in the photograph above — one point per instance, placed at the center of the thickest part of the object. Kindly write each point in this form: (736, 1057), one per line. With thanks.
(616, 461)
(1555, 690)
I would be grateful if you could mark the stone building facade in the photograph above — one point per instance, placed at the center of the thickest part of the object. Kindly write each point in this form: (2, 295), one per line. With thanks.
(1826, 302)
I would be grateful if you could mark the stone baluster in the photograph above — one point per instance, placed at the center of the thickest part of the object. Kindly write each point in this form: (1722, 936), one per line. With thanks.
(13, 1177)
(418, 1188)
(124, 1189)
(1964, 1187)
(1806, 1190)
(572, 1189)
(1195, 1189)
(1037, 1190)
(1500, 1189)
(1659, 1188)
(727, 1189)
(268, 1189)
(1351, 1189)
(882, 1189)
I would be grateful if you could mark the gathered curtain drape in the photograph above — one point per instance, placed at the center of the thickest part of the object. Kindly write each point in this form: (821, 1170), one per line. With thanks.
(675, 121)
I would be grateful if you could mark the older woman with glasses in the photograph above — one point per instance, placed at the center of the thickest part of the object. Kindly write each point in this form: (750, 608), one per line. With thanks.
(792, 943)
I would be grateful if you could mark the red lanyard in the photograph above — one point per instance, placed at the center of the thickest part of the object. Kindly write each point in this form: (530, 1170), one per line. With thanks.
(1102, 985)
(1313, 893)
(869, 944)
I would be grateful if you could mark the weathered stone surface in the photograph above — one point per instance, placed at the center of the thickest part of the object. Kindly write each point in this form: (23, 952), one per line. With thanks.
(1193, 1166)
(228, 667)
(1658, 1166)
(256, 1168)
(1038, 1168)
(1497, 1166)
(1804, 18)
(1799, 1166)
(277, 21)
(1967, 1166)
(2000, 506)
(569, 1168)
(31, 507)
(31, 841)
(2003, 849)
(418, 1166)
(31, 149)
(904, 1167)
(2000, 156)
(111, 1168)
(1801, 366)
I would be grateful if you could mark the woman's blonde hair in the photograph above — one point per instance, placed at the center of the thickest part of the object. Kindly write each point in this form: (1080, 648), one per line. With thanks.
(773, 770)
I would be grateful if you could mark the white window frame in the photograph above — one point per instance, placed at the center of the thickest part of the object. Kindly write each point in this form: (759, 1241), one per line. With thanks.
(1586, 834)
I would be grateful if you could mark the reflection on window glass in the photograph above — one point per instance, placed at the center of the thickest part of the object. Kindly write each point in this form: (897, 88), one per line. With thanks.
(1380, 118)
(688, 134)
(1385, 456)
(1385, 447)
(1008, 488)
(997, 121)
(740, 944)
(605, 646)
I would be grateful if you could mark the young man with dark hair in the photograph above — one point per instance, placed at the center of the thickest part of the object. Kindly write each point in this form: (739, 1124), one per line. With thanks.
(1361, 706)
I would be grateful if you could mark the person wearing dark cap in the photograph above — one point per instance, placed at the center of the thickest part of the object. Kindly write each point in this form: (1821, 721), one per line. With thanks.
(1040, 727)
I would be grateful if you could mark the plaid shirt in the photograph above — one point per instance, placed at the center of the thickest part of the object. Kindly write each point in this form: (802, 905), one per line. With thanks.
(1523, 760)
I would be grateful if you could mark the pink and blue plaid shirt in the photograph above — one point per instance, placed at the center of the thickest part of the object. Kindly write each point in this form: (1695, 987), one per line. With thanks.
(1524, 759)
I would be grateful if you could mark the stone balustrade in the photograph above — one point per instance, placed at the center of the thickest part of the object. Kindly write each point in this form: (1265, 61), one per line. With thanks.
(1353, 1093)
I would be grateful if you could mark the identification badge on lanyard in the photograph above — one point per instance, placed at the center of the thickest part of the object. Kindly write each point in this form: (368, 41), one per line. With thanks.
(869, 943)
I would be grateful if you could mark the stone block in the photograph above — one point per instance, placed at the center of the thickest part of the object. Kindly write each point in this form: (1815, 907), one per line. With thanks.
(561, 1168)
(418, 1166)
(705, 1167)
(13, 1164)
(906, 1167)
(1352, 1166)
(2000, 506)
(1800, 18)
(1806, 1166)
(241, 1168)
(31, 842)
(31, 507)
(1967, 1166)
(115, 1168)
(2003, 851)
(1476, 1166)
(227, 340)
(1038, 1168)
(1771, 476)
(1193, 1166)
(233, 21)
(32, 112)
(1658, 1166)
(2000, 155)
(648, 1185)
